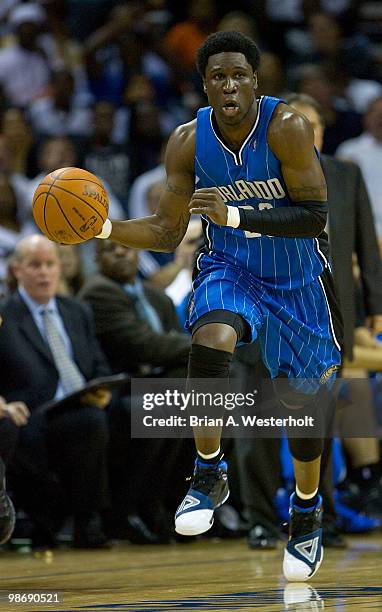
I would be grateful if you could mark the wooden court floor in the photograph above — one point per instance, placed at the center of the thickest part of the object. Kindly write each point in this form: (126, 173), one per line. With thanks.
(214, 576)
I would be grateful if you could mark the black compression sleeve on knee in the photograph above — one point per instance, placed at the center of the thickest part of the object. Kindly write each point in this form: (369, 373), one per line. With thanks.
(305, 449)
(206, 362)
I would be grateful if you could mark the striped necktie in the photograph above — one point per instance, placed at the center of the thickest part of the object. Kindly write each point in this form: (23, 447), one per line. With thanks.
(70, 376)
(145, 311)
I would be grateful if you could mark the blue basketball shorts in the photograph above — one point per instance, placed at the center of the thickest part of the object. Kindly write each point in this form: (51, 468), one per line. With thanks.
(300, 330)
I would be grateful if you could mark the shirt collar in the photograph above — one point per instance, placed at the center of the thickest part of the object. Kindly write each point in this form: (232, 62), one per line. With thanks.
(135, 288)
(34, 306)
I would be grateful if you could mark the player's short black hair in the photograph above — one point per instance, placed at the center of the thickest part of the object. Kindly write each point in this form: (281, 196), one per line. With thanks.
(229, 41)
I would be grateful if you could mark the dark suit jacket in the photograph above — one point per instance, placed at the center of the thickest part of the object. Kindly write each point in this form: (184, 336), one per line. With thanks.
(27, 369)
(128, 341)
(351, 229)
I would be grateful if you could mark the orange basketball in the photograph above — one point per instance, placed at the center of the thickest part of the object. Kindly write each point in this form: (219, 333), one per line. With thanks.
(70, 205)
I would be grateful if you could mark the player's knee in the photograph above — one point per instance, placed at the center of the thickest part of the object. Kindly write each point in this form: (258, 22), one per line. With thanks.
(305, 449)
(207, 362)
(293, 398)
(216, 336)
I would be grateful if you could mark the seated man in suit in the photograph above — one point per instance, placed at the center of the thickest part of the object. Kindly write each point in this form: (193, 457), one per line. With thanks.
(136, 323)
(139, 332)
(48, 350)
(12, 416)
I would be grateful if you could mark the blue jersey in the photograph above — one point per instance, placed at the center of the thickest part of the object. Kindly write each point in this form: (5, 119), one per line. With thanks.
(251, 177)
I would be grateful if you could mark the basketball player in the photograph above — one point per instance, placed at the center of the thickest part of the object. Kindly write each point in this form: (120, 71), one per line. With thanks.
(250, 169)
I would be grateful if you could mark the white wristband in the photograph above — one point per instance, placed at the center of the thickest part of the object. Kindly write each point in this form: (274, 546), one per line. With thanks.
(106, 230)
(233, 216)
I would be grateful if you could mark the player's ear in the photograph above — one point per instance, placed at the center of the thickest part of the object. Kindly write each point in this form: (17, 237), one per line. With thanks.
(204, 87)
(255, 83)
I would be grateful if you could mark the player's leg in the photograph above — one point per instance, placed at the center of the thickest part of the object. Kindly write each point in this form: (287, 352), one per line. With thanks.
(304, 552)
(300, 327)
(214, 340)
(221, 314)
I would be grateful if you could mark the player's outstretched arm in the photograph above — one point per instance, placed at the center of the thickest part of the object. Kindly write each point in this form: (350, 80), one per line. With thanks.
(164, 230)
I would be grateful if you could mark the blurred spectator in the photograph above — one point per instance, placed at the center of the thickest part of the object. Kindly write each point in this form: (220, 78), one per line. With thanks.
(119, 50)
(366, 151)
(72, 277)
(48, 350)
(59, 114)
(61, 49)
(18, 134)
(60, 152)
(341, 122)
(136, 323)
(6, 6)
(145, 135)
(140, 90)
(24, 69)
(239, 22)
(138, 201)
(138, 329)
(356, 93)
(271, 76)
(85, 17)
(104, 158)
(328, 43)
(183, 39)
(13, 221)
(10, 228)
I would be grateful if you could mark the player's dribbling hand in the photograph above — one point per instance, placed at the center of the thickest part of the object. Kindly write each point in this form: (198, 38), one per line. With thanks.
(208, 201)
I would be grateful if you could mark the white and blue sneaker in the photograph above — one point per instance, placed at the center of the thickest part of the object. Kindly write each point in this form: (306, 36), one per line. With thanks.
(304, 552)
(209, 490)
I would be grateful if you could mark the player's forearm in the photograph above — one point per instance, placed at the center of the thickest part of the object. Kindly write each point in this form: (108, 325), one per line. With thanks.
(302, 220)
(147, 233)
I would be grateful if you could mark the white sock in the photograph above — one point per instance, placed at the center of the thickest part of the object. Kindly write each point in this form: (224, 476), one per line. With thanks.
(211, 455)
(306, 495)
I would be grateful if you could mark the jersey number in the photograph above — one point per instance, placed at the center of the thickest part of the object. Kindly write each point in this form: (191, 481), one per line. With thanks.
(262, 206)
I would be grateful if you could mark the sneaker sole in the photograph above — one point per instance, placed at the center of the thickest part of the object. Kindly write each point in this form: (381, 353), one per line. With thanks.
(294, 579)
(187, 532)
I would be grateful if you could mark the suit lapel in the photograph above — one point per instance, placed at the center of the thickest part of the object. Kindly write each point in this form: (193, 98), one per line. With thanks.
(28, 327)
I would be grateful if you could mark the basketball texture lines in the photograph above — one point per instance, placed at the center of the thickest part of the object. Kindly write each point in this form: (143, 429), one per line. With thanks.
(70, 205)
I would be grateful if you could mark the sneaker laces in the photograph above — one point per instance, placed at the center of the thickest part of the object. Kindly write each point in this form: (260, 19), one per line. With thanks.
(204, 478)
(305, 522)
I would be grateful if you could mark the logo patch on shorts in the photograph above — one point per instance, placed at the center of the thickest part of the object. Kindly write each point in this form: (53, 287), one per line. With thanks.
(328, 374)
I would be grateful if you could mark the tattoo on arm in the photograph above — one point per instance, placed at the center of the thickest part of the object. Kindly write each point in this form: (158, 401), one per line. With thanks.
(176, 189)
(308, 192)
(168, 238)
